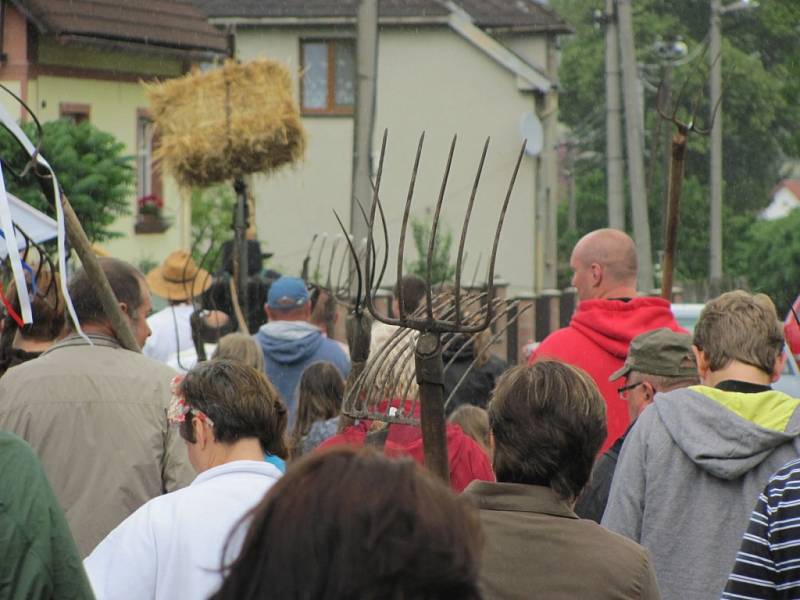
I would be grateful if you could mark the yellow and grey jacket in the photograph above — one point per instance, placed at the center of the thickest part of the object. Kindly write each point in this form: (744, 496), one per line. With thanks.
(689, 474)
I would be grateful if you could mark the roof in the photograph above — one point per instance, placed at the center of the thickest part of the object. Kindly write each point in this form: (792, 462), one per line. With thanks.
(521, 15)
(173, 25)
(793, 185)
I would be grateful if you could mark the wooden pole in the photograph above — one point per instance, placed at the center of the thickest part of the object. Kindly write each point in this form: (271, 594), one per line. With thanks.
(633, 135)
(363, 114)
(240, 250)
(614, 159)
(83, 247)
(676, 167)
(430, 376)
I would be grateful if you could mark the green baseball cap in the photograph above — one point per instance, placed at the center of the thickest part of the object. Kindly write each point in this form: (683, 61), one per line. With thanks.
(659, 352)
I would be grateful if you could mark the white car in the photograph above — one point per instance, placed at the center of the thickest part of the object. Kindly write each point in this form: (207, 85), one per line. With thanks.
(687, 314)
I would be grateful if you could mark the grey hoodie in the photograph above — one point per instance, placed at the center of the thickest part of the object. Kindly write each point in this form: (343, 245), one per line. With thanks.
(689, 474)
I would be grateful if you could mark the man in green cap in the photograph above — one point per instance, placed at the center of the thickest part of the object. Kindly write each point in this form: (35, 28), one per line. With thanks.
(658, 361)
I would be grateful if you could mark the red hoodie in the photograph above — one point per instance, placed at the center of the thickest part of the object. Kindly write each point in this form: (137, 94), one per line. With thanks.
(597, 340)
(467, 460)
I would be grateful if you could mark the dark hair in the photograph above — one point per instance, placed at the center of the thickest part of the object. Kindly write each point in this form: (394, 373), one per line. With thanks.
(319, 398)
(47, 306)
(413, 292)
(548, 421)
(126, 282)
(323, 306)
(350, 523)
(240, 401)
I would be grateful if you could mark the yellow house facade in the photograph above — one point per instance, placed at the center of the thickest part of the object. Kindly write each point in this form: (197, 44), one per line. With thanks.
(87, 61)
(460, 68)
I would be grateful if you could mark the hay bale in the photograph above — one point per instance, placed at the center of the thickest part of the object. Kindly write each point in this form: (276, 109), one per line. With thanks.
(228, 122)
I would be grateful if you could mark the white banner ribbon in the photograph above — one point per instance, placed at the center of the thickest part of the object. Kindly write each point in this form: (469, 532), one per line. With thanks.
(11, 239)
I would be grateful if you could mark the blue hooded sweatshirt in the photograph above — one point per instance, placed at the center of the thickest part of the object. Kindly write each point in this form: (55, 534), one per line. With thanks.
(291, 346)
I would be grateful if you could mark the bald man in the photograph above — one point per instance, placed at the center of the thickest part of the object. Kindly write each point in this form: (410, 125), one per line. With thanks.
(609, 315)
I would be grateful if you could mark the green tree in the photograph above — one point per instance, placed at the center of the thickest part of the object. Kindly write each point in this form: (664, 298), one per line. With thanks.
(441, 268)
(761, 80)
(212, 220)
(90, 165)
(774, 259)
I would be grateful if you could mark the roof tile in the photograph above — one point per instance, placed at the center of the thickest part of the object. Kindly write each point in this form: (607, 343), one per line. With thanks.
(170, 24)
(514, 14)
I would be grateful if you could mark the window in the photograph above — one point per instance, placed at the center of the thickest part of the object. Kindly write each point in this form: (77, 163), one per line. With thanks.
(148, 178)
(73, 111)
(149, 199)
(328, 82)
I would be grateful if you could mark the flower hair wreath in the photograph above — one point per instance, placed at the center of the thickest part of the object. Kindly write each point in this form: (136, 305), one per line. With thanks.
(179, 408)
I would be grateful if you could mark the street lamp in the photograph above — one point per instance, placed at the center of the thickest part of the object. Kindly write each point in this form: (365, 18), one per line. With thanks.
(715, 56)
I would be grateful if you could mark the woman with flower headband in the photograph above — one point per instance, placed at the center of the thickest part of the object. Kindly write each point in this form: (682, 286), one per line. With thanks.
(230, 417)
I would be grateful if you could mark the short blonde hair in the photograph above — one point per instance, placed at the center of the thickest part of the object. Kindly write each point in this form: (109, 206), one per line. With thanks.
(242, 348)
(739, 326)
(474, 421)
(395, 375)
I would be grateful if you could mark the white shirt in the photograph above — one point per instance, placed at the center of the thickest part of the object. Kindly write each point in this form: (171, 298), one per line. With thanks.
(171, 327)
(186, 359)
(171, 548)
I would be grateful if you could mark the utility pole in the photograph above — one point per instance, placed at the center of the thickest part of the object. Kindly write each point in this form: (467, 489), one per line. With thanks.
(641, 224)
(614, 159)
(715, 97)
(550, 156)
(715, 85)
(364, 114)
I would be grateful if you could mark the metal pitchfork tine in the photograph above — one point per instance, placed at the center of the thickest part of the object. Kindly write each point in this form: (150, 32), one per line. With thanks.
(428, 348)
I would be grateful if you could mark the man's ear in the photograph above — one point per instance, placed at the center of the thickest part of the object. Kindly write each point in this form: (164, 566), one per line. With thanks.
(702, 362)
(596, 270)
(649, 392)
(123, 306)
(203, 434)
(780, 363)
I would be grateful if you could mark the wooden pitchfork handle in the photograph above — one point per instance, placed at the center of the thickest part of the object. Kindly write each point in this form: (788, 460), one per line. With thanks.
(676, 168)
(82, 245)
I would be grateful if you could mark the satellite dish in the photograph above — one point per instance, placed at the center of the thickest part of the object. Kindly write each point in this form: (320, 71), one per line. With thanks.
(530, 128)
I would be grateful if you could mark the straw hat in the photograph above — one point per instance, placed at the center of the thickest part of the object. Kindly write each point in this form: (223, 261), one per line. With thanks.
(178, 278)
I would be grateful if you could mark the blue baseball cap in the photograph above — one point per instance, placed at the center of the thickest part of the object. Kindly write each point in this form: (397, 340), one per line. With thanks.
(287, 292)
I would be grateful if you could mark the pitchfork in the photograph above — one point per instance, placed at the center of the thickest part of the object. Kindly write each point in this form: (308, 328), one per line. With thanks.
(675, 183)
(429, 324)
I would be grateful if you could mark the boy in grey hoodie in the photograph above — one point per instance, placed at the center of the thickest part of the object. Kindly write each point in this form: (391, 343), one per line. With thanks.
(696, 457)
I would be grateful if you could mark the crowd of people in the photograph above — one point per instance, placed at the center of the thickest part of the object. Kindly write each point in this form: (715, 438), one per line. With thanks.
(628, 459)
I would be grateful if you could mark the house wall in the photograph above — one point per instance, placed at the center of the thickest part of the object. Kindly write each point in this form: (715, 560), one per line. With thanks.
(45, 74)
(783, 202)
(113, 106)
(14, 70)
(432, 80)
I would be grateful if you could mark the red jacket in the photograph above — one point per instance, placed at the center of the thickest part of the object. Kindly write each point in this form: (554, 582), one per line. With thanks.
(467, 460)
(597, 340)
(791, 329)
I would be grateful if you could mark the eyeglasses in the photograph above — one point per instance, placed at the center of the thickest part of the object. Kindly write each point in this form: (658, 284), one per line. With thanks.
(623, 391)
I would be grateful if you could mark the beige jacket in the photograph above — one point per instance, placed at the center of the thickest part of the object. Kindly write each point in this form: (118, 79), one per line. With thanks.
(536, 547)
(96, 417)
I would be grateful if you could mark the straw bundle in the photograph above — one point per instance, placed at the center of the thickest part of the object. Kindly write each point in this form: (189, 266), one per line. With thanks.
(228, 122)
